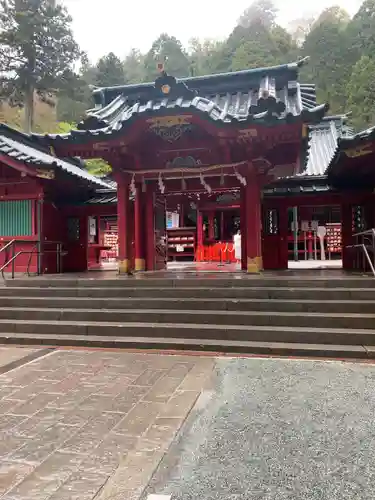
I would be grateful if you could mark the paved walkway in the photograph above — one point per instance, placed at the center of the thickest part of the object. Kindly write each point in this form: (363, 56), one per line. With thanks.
(12, 357)
(11, 354)
(274, 429)
(78, 425)
(108, 425)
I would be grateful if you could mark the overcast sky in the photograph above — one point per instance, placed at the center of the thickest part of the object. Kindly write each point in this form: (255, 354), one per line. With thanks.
(102, 26)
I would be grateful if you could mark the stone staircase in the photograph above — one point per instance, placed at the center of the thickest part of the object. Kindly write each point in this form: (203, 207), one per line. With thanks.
(333, 317)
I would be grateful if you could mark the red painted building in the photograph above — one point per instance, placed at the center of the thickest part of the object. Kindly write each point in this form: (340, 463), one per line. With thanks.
(219, 133)
(37, 228)
(249, 150)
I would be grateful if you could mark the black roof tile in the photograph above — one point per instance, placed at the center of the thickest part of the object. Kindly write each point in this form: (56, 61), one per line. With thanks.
(265, 96)
(24, 148)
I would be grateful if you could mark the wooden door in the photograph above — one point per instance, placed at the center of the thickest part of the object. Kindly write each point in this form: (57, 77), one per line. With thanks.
(161, 257)
(75, 244)
(274, 238)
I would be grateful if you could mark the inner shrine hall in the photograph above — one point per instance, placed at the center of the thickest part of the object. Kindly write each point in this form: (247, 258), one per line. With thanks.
(195, 161)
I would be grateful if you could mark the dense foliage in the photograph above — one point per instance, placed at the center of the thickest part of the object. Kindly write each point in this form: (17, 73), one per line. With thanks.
(37, 50)
(341, 50)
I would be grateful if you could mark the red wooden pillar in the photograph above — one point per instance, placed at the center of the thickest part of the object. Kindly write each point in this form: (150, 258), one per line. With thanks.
(199, 229)
(181, 222)
(139, 259)
(346, 237)
(150, 230)
(243, 228)
(283, 236)
(253, 224)
(123, 223)
(211, 226)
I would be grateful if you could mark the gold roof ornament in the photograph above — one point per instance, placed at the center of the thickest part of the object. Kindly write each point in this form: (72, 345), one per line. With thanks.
(359, 151)
(165, 89)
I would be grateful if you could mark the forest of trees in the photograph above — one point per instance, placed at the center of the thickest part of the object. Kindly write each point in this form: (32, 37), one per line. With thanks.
(341, 50)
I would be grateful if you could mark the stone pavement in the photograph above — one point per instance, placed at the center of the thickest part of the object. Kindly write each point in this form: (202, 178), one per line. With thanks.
(79, 424)
(11, 355)
(276, 429)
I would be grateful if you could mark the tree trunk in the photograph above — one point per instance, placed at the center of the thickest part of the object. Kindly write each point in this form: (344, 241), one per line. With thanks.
(29, 110)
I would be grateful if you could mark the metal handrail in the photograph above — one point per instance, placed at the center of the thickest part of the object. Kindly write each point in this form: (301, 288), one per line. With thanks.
(30, 258)
(12, 243)
(12, 260)
(365, 251)
(366, 243)
(8, 245)
(366, 233)
(58, 252)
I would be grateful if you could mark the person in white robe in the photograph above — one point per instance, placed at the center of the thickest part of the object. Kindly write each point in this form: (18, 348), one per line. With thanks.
(237, 246)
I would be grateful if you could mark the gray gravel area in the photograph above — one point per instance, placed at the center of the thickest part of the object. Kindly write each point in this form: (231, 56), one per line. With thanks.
(277, 429)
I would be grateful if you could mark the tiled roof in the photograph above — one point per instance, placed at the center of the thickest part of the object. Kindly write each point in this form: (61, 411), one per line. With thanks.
(104, 199)
(353, 169)
(264, 96)
(322, 146)
(22, 148)
(352, 140)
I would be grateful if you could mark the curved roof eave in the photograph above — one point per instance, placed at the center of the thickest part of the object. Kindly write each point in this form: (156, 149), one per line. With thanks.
(212, 113)
(294, 66)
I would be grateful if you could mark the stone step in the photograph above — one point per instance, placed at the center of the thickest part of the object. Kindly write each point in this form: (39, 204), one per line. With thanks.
(237, 281)
(218, 332)
(213, 346)
(202, 317)
(219, 304)
(313, 293)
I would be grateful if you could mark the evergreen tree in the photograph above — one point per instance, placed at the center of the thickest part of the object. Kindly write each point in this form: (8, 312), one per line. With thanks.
(361, 31)
(205, 56)
(258, 41)
(109, 71)
(361, 91)
(260, 12)
(37, 50)
(169, 49)
(329, 67)
(76, 98)
(134, 67)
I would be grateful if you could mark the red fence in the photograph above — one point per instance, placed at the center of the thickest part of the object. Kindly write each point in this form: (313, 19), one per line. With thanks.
(218, 252)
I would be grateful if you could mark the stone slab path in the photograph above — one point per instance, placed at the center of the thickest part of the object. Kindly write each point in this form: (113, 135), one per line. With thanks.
(276, 429)
(12, 355)
(79, 425)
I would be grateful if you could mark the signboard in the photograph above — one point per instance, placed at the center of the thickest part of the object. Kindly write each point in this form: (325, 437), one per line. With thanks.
(173, 220)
